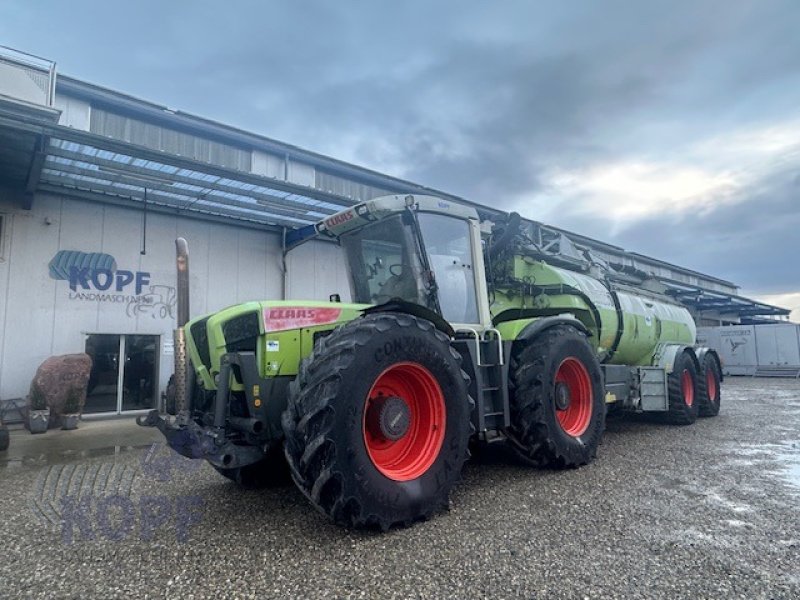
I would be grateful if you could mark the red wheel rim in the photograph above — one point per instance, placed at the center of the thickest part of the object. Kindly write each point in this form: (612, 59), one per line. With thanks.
(711, 385)
(575, 418)
(411, 455)
(687, 385)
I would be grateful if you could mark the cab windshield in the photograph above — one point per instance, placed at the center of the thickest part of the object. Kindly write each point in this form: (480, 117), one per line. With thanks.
(385, 263)
(449, 249)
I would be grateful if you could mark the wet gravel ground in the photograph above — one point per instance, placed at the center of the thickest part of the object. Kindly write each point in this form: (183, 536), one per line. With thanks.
(711, 510)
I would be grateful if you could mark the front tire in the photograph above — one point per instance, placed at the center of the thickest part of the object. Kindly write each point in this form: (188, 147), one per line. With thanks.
(558, 407)
(378, 422)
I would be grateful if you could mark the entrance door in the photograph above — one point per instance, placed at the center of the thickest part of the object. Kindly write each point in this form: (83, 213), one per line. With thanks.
(124, 373)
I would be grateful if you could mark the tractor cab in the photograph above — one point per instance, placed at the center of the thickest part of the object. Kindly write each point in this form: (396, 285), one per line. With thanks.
(417, 249)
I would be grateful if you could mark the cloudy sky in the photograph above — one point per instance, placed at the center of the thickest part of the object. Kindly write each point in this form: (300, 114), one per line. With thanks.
(670, 128)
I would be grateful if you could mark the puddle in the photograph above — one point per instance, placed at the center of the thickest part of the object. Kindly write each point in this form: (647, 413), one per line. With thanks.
(785, 456)
(52, 458)
(788, 457)
(791, 471)
(736, 523)
(721, 500)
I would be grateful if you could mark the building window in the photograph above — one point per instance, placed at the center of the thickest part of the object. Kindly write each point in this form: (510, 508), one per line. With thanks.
(124, 373)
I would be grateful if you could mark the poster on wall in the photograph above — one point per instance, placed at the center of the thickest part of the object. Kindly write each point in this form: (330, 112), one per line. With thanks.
(737, 346)
(95, 277)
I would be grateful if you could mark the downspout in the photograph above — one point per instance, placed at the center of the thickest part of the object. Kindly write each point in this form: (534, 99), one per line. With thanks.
(283, 264)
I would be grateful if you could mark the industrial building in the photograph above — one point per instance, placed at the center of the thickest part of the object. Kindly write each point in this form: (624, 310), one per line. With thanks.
(95, 186)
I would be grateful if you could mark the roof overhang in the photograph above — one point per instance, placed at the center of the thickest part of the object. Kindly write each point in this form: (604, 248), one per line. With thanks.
(47, 157)
(701, 300)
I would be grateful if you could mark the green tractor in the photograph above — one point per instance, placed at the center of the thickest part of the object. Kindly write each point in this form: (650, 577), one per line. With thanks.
(461, 331)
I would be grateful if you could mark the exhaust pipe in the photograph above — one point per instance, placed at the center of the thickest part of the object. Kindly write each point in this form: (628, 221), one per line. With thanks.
(246, 425)
(182, 380)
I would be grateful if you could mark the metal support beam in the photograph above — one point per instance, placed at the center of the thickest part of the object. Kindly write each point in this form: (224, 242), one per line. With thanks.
(37, 162)
(100, 191)
(153, 208)
(189, 199)
(120, 167)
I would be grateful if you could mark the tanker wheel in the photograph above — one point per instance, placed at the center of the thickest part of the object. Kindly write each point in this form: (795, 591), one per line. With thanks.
(269, 471)
(378, 422)
(682, 390)
(558, 407)
(708, 387)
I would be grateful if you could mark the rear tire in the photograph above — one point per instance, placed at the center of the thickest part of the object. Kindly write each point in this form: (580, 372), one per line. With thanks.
(682, 387)
(5, 438)
(269, 471)
(378, 422)
(708, 387)
(558, 406)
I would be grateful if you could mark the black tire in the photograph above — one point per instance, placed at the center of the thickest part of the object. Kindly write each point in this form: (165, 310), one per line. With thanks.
(329, 429)
(537, 432)
(169, 397)
(709, 391)
(272, 470)
(5, 438)
(683, 396)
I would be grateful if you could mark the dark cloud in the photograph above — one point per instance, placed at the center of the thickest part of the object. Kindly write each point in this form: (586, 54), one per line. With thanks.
(476, 98)
(753, 242)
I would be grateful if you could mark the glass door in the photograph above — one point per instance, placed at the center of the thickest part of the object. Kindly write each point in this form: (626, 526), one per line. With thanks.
(139, 376)
(102, 394)
(124, 374)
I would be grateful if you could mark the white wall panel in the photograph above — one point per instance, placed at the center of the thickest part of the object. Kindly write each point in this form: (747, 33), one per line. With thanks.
(77, 222)
(777, 345)
(787, 338)
(268, 165)
(28, 328)
(23, 83)
(74, 112)
(6, 228)
(315, 271)
(259, 275)
(223, 272)
(160, 313)
(121, 238)
(301, 174)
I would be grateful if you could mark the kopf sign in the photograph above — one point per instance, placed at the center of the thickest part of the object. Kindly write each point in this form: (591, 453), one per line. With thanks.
(103, 279)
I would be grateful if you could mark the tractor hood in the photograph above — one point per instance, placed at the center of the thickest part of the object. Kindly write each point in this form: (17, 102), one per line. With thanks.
(273, 329)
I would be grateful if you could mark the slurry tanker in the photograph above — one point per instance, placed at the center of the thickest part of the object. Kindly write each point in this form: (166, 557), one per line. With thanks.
(461, 330)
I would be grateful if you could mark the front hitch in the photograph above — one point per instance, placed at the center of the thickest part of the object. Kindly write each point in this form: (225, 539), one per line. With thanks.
(193, 441)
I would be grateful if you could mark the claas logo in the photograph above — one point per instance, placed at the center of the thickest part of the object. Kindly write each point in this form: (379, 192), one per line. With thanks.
(339, 219)
(296, 317)
(292, 313)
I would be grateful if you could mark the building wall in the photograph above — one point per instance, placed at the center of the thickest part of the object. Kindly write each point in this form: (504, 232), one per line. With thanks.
(41, 316)
(755, 349)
